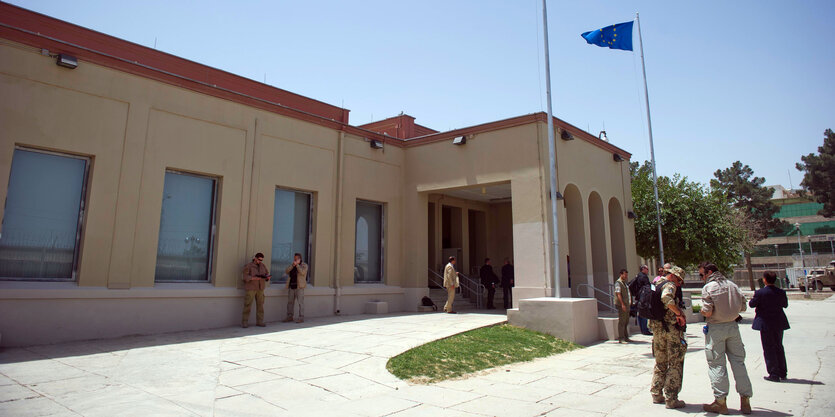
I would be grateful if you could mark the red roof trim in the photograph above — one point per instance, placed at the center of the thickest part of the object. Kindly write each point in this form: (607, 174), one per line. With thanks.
(40, 31)
(513, 122)
(95, 46)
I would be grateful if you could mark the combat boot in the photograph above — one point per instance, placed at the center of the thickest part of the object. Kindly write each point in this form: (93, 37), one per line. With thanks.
(675, 403)
(717, 406)
(745, 404)
(657, 399)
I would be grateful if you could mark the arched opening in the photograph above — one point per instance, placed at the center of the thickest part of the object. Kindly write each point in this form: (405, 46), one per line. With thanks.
(599, 258)
(577, 273)
(616, 232)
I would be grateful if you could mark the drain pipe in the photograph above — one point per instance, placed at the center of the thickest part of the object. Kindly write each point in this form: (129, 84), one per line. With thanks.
(338, 222)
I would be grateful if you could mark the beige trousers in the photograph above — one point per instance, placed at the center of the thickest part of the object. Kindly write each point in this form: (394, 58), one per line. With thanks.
(450, 299)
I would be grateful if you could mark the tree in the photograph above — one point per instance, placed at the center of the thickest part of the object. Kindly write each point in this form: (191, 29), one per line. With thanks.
(819, 174)
(755, 211)
(696, 224)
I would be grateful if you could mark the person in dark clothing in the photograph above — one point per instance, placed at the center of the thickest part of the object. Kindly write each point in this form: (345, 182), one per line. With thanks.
(771, 321)
(489, 280)
(635, 286)
(507, 283)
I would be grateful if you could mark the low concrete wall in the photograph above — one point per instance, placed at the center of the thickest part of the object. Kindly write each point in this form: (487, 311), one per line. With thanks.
(572, 319)
(43, 313)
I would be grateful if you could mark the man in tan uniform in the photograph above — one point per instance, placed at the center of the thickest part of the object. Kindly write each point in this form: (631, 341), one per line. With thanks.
(668, 344)
(450, 283)
(296, 283)
(255, 276)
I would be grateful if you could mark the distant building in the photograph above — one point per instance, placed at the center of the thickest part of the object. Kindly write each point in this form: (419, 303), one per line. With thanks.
(780, 250)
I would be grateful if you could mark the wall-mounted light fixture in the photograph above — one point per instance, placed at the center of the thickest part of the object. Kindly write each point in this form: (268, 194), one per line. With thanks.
(376, 144)
(460, 140)
(602, 136)
(617, 157)
(631, 215)
(564, 135)
(67, 61)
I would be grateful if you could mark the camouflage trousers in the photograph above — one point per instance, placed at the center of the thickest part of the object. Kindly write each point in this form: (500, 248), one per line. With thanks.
(669, 348)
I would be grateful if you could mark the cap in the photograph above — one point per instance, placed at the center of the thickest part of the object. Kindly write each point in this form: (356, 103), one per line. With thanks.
(677, 271)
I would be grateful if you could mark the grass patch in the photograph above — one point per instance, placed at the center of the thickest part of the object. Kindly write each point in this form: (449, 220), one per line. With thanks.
(473, 351)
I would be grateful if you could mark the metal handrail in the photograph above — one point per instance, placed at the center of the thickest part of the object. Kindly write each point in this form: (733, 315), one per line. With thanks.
(469, 287)
(594, 289)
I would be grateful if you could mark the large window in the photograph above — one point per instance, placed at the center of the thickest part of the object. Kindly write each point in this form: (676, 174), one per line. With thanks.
(186, 228)
(368, 252)
(41, 227)
(291, 231)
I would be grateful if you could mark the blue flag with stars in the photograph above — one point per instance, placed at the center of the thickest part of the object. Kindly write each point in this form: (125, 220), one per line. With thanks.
(617, 36)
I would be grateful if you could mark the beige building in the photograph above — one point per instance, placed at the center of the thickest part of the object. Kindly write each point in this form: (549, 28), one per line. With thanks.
(137, 185)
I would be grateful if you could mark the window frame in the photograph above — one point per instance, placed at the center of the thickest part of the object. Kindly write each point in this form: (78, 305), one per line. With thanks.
(310, 220)
(382, 279)
(82, 213)
(212, 229)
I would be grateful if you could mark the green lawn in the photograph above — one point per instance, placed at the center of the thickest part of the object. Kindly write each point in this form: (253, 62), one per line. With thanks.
(473, 351)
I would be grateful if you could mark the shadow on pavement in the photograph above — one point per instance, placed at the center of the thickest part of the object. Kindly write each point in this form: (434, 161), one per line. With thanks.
(121, 343)
(801, 381)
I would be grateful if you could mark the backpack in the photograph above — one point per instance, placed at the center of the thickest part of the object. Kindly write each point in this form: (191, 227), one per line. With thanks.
(426, 301)
(633, 287)
(649, 302)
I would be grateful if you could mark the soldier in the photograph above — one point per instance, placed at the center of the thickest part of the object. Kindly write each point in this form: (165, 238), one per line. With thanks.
(255, 276)
(669, 345)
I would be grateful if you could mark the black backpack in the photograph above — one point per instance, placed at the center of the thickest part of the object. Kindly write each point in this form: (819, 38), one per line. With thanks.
(649, 302)
(426, 301)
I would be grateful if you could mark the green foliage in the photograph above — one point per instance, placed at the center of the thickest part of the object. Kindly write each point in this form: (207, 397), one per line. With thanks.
(473, 351)
(697, 224)
(819, 174)
(753, 201)
(697, 308)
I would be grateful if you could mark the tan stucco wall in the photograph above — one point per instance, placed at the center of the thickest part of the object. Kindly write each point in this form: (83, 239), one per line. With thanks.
(134, 128)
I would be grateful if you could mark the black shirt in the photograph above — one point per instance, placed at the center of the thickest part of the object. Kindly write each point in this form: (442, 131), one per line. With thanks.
(294, 278)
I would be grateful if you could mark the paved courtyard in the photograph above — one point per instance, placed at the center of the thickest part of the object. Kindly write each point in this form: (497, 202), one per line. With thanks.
(336, 366)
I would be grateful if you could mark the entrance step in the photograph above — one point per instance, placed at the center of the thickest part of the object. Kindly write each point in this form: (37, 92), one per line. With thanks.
(607, 326)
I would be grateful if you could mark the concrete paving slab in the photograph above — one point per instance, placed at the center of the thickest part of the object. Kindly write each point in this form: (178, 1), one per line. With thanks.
(336, 366)
(435, 396)
(495, 406)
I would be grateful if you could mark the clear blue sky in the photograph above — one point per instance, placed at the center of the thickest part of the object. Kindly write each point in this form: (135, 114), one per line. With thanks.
(728, 80)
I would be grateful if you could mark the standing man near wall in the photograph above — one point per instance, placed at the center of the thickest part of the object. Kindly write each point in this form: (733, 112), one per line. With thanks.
(255, 279)
(623, 301)
(635, 286)
(722, 301)
(450, 283)
(489, 280)
(668, 343)
(771, 321)
(297, 271)
(507, 283)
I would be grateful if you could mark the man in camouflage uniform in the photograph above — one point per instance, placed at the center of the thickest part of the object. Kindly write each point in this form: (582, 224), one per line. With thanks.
(668, 344)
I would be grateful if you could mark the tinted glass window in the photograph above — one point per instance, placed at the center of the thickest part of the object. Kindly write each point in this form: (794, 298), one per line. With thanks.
(41, 226)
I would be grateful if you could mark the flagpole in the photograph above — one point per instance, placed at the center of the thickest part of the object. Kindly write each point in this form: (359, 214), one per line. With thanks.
(651, 146)
(552, 163)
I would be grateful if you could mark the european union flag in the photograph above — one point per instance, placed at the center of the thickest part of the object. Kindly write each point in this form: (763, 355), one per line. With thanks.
(617, 36)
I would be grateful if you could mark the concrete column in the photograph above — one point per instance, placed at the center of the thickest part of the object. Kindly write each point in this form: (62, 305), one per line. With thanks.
(530, 250)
